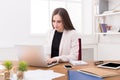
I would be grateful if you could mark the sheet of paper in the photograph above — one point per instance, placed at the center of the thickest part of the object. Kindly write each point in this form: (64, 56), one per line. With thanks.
(41, 75)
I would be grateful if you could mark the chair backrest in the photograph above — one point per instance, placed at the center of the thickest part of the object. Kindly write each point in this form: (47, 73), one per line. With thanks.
(80, 50)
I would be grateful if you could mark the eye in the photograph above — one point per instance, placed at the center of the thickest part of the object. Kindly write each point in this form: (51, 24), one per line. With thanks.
(53, 20)
(59, 21)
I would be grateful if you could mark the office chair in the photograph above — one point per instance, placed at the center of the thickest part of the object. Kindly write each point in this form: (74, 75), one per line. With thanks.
(80, 50)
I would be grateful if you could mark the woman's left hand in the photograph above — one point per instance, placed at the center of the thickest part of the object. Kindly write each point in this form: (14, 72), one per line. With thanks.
(51, 60)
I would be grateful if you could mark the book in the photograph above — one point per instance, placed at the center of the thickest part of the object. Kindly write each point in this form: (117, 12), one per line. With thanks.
(100, 29)
(76, 75)
(103, 27)
(99, 72)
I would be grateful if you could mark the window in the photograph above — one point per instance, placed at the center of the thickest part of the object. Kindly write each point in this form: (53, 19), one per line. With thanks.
(39, 16)
(80, 12)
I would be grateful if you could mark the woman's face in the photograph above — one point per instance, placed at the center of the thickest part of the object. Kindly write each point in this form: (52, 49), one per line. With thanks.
(57, 23)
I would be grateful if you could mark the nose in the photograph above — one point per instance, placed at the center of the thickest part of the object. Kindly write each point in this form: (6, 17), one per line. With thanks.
(55, 24)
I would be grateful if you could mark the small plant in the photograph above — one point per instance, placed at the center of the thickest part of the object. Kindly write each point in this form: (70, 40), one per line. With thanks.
(22, 67)
(8, 65)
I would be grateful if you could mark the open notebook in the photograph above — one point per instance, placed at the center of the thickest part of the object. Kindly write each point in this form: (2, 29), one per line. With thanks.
(98, 72)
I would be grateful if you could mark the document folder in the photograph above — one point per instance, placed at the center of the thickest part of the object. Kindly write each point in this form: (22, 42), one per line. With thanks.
(76, 75)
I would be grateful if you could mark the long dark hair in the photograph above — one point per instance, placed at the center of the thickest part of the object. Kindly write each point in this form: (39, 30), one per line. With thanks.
(65, 18)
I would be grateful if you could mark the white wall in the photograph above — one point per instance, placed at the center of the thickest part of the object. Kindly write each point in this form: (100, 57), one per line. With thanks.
(15, 23)
(8, 54)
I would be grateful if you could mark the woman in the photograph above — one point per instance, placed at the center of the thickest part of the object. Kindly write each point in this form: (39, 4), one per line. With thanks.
(63, 39)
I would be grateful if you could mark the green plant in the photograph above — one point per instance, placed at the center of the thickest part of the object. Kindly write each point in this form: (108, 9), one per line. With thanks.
(22, 66)
(8, 65)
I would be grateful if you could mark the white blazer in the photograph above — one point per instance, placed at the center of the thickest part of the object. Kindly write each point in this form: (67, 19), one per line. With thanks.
(69, 46)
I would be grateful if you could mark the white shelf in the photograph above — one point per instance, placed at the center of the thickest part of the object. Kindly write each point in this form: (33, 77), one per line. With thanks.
(108, 14)
(110, 32)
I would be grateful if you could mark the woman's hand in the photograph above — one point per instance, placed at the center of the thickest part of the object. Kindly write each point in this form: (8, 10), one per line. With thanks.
(51, 60)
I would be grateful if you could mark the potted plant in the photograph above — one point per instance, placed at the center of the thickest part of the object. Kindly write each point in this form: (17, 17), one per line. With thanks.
(8, 65)
(21, 68)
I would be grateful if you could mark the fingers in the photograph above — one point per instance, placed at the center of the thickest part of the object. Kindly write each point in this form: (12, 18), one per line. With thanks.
(51, 60)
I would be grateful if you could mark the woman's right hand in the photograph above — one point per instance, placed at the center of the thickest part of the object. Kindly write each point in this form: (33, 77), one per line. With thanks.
(51, 60)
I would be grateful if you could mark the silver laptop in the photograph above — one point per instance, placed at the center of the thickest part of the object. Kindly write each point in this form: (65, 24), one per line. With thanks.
(36, 53)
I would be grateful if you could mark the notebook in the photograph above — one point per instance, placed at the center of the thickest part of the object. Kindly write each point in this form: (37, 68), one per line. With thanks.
(98, 72)
(36, 52)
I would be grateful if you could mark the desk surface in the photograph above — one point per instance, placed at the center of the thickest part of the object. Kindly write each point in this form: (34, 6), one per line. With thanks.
(59, 68)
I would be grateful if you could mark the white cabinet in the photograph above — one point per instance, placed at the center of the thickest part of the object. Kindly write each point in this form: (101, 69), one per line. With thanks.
(108, 52)
(107, 12)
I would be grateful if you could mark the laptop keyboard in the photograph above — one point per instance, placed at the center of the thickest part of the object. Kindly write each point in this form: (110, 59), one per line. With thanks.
(52, 64)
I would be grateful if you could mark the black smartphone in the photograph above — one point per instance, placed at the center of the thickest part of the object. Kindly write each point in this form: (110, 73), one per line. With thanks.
(67, 66)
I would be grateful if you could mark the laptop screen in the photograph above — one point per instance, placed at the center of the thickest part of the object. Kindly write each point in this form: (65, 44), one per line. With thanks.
(34, 55)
